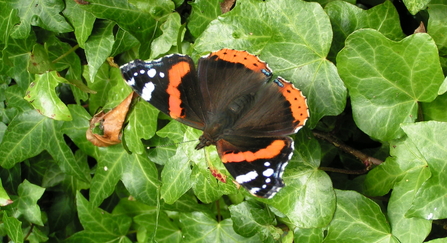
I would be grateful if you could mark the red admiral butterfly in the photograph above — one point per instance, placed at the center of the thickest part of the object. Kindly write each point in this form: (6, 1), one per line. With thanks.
(231, 100)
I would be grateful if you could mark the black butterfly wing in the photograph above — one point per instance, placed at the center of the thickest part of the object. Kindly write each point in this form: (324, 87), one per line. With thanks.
(237, 94)
(256, 163)
(170, 84)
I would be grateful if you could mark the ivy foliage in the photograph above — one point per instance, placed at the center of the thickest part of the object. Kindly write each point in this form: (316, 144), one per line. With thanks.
(375, 89)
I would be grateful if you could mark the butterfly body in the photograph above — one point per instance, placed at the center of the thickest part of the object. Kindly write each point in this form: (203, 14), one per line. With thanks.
(232, 100)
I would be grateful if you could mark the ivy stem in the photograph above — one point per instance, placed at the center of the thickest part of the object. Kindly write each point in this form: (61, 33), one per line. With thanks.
(367, 160)
(66, 53)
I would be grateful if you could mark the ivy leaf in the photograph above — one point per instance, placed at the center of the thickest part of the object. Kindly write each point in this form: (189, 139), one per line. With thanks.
(167, 230)
(140, 177)
(429, 138)
(81, 20)
(99, 226)
(45, 13)
(13, 228)
(170, 28)
(346, 18)
(404, 158)
(437, 26)
(142, 124)
(414, 6)
(203, 12)
(42, 95)
(141, 21)
(111, 163)
(29, 134)
(199, 227)
(18, 52)
(387, 79)
(99, 46)
(435, 110)
(176, 177)
(27, 202)
(367, 217)
(251, 218)
(408, 229)
(299, 56)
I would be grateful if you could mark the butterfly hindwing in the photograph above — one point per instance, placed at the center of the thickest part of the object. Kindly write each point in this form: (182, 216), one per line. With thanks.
(257, 163)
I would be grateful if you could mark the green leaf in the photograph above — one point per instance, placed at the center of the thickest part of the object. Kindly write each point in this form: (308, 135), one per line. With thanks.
(99, 46)
(286, 44)
(39, 61)
(405, 158)
(437, 26)
(170, 28)
(44, 13)
(205, 185)
(203, 12)
(429, 139)
(4, 198)
(13, 228)
(99, 226)
(27, 202)
(141, 21)
(414, 6)
(346, 18)
(199, 227)
(407, 229)
(142, 124)
(42, 95)
(30, 133)
(140, 177)
(176, 177)
(355, 214)
(18, 53)
(308, 235)
(167, 230)
(81, 20)
(435, 110)
(111, 163)
(251, 218)
(387, 79)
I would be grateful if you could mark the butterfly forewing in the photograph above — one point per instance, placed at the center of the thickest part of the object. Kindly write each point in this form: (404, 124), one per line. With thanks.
(170, 84)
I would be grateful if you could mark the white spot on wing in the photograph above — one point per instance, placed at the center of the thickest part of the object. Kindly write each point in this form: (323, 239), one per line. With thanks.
(142, 71)
(161, 74)
(255, 190)
(266, 164)
(151, 73)
(131, 82)
(247, 177)
(268, 172)
(146, 93)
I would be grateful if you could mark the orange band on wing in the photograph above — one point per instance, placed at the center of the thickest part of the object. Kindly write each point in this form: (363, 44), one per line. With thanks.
(298, 103)
(269, 152)
(176, 73)
(250, 61)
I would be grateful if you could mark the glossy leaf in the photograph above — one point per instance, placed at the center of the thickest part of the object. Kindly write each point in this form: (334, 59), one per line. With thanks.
(199, 227)
(42, 95)
(347, 18)
(430, 199)
(387, 79)
(347, 223)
